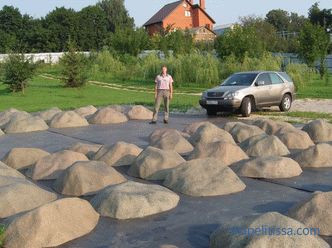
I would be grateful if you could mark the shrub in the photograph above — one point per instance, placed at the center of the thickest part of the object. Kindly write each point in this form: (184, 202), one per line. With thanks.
(17, 70)
(74, 67)
(300, 73)
(2, 235)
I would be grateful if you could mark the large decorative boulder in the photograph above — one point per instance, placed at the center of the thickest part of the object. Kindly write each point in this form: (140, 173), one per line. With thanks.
(1, 132)
(19, 158)
(25, 124)
(7, 171)
(241, 131)
(315, 156)
(270, 167)
(119, 154)
(6, 116)
(315, 212)
(139, 112)
(68, 119)
(209, 133)
(265, 231)
(52, 224)
(271, 127)
(319, 131)
(170, 139)
(192, 128)
(86, 178)
(264, 145)
(51, 166)
(48, 115)
(88, 150)
(134, 200)
(22, 195)
(295, 139)
(86, 111)
(153, 163)
(203, 177)
(227, 153)
(108, 116)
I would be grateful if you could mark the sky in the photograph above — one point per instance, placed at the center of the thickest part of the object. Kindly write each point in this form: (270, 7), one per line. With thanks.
(223, 11)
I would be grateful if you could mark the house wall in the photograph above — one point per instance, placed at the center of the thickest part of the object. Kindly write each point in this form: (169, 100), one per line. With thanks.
(154, 28)
(178, 19)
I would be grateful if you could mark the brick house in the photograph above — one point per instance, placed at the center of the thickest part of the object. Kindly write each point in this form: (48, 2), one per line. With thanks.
(182, 14)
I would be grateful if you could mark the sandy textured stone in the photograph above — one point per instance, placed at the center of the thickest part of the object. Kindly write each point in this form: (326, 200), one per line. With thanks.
(68, 119)
(108, 115)
(295, 139)
(87, 178)
(7, 171)
(223, 237)
(70, 218)
(241, 131)
(271, 126)
(264, 145)
(140, 112)
(47, 115)
(319, 131)
(192, 128)
(19, 158)
(315, 156)
(1, 132)
(7, 115)
(170, 139)
(203, 177)
(88, 150)
(270, 167)
(21, 124)
(315, 212)
(153, 163)
(209, 133)
(119, 154)
(86, 111)
(51, 166)
(21, 195)
(134, 200)
(227, 153)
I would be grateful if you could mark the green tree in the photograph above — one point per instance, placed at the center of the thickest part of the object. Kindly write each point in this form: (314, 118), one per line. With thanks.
(117, 14)
(62, 25)
(279, 19)
(93, 28)
(17, 71)
(322, 17)
(74, 67)
(129, 41)
(10, 27)
(239, 41)
(314, 43)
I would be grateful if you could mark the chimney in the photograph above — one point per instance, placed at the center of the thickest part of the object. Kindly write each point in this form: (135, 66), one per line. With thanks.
(202, 4)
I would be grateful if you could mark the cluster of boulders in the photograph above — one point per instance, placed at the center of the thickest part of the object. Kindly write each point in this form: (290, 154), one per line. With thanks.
(202, 160)
(15, 121)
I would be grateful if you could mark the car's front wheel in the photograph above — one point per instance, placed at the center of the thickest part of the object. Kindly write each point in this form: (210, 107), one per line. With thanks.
(286, 103)
(246, 107)
(211, 112)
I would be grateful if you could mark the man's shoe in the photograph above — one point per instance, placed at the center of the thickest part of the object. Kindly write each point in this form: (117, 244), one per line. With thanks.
(166, 121)
(152, 122)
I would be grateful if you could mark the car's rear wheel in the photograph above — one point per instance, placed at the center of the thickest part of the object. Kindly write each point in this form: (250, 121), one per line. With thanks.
(246, 107)
(211, 112)
(286, 103)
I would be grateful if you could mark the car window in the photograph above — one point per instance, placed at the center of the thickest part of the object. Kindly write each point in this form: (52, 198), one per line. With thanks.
(286, 76)
(275, 79)
(265, 78)
(240, 79)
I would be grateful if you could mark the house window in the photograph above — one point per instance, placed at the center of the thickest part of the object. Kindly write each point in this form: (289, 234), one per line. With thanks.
(185, 5)
(187, 13)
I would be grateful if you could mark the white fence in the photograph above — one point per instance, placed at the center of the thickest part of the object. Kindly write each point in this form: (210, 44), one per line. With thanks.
(51, 58)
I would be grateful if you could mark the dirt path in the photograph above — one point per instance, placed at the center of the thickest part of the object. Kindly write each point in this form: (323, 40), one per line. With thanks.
(313, 105)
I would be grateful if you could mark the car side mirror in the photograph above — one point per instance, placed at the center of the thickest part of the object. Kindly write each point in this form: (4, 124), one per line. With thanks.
(260, 83)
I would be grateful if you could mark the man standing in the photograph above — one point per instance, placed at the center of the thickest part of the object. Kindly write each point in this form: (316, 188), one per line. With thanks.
(163, 90)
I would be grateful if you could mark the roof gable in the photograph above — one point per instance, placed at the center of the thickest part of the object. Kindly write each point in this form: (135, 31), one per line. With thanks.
(163, 13)
(196, 6)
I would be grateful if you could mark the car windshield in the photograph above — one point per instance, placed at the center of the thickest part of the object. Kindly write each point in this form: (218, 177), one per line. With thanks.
(242, 79)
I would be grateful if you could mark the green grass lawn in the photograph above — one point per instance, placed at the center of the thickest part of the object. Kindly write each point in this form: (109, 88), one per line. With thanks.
(316, 88)
(44, 93)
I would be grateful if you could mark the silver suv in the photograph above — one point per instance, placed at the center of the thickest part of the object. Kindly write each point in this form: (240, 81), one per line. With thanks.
(248, 91)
